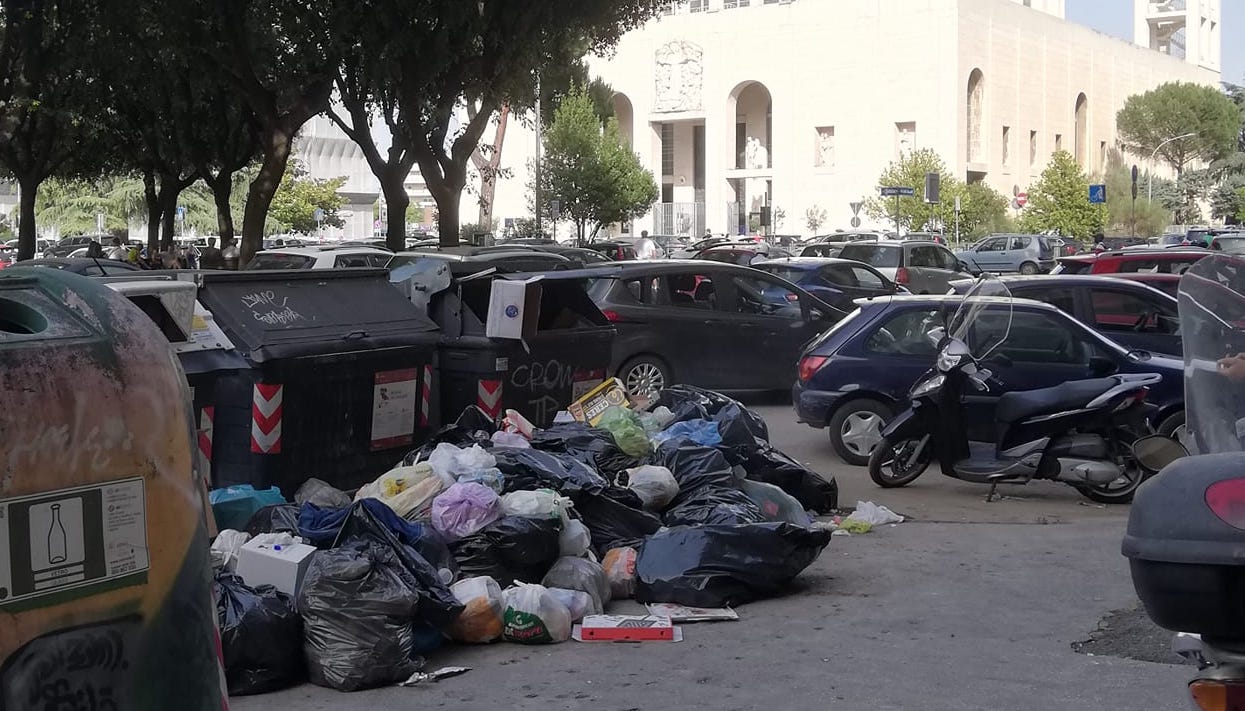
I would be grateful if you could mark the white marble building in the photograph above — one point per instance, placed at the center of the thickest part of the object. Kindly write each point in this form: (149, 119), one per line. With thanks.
(328, 153)
(801, 103)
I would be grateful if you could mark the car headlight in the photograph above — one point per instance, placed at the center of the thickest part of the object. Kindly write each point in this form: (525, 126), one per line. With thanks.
(947, 361)
(929, 386)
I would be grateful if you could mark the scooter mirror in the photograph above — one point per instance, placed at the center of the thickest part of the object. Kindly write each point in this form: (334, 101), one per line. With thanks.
(1156, 451)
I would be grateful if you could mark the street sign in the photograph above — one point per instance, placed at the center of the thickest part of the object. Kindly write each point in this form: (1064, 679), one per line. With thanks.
(855, 222)
(1022, 199)
(555, 208)
(318, 215)
(99, 223)
(898, 192)
(181, 213)
(856, 207)
(1097, 194)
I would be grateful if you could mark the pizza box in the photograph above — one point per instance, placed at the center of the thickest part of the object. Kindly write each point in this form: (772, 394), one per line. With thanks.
(627, 628)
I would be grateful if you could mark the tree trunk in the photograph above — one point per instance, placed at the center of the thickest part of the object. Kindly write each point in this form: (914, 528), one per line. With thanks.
(396, 202)
(259, 194)
(26, 227)
(169, 193)
(488, 167)
(222, 190)
(152, 198)
(448, 200)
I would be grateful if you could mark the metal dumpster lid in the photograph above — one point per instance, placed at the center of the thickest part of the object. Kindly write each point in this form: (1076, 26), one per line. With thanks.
(273, 315)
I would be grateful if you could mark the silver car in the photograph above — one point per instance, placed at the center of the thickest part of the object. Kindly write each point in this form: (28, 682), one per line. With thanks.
(920, 267)
(1027, 254)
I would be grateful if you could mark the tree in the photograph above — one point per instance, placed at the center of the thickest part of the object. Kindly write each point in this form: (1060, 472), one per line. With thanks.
(487, 162)
(1149, 122)
(1060, 201)
(982, 208)
(295, 203)
(980, 205)
(597, 179)
(814, 218)
(1145, 218)
(1240, 213)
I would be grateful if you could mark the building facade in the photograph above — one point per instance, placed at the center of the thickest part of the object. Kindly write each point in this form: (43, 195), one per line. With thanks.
(798, 104)
(328, 153)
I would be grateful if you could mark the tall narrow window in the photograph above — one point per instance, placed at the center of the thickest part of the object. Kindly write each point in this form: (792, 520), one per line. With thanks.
(1032, 148)
(1007, 146)
(1058, 142)
(975, 106)
(667, 149)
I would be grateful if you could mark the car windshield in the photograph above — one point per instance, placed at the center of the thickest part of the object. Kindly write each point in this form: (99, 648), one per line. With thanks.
(1231, 245)
(791, 274)
(876, 255)
(280, 261)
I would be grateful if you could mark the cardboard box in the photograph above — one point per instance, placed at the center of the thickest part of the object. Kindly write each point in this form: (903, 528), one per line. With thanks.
(626, 628)
(513, 309)
(596, 401)
(281, 566)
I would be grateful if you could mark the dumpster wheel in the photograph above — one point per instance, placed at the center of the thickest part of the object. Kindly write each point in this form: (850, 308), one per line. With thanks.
(645, 376)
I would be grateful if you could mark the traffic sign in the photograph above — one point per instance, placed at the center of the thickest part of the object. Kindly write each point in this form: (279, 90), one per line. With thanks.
(898, 192)
(1097, 194)
(1022, 199)
(181, 212)
(318, 214)
(856, 207)
(855, 222)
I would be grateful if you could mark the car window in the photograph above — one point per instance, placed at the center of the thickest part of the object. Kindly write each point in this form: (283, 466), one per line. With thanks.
(1020, 243)
(791, 274)
(868, 279)
(647, 290)
(1115, 310)
(882, 256)
(110, 270)
(1149, 266)
(691, 290)
(351, 260)
(1062, 298)
(1178, 266)
(994, 244)
(949, 260)
(1034, 337)
(762, 297)
(280, 261)
(924, 257)
(727, 257)
(904, 333)
(1073, 266)
(93, 271)
(839, 275)
(378, 260)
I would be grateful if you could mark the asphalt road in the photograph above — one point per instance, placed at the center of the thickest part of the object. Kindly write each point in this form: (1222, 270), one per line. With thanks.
(967, 606)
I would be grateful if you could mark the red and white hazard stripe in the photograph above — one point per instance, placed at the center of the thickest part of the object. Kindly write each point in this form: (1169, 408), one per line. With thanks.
(266, 409)
(425, 397)
(488, 397)
(207, 427)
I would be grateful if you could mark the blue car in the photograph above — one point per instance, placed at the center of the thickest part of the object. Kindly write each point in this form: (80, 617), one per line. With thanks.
(856, 376)
(838, 282)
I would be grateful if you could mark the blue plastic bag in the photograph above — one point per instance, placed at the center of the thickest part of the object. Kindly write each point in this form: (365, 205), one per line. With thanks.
(234, 506)
(702, 432)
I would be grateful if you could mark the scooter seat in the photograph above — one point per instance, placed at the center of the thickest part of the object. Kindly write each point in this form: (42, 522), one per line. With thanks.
(1016, 406)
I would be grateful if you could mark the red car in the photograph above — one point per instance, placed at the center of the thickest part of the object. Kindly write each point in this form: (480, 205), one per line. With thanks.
(1122, 262)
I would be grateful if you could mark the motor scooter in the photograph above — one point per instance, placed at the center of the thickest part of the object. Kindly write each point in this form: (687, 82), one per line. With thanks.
(1080, 432)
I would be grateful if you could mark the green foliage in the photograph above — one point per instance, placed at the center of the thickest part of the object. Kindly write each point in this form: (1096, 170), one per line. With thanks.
(1240, 213)
(597, 179)
(1060, 201)
(71, 206)
(295, 202)
(1148, 219)
(981, 206)
(1149, 121)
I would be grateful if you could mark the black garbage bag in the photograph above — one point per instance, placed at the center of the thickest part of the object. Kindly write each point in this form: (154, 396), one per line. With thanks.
(261, 637)
(278, 518)
(739, 432)
(529, 469)
(471, 427)
(695, 467)
(715, 505)
(358, 610)
(814, 492)
(716, 566)
(422, 554)
(592, 446)
(514, 548)
(705, 404)
(322, 494)
(616, 519)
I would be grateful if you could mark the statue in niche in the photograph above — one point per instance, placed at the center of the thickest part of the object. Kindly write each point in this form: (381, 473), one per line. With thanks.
(679, 77)
(825, 148)
(907, 141)
(756, 156)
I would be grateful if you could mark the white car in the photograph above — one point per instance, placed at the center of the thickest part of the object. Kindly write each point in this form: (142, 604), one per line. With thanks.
(319, 258)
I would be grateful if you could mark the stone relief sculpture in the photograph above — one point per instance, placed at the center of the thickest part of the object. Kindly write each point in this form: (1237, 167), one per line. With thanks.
(825, 147)
(680, 77)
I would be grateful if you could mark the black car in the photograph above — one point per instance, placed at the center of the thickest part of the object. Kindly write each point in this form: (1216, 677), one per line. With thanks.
(82, 265)
(743, 254)
(69, 245)
(1130, 313)
(705, 323)
(615, 251)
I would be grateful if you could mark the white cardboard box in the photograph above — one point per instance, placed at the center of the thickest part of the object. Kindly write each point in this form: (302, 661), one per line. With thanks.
(513, 308)
(281, 566)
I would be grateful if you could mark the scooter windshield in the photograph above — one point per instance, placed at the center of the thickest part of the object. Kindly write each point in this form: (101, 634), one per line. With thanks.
(984, 318)
(1212, 324)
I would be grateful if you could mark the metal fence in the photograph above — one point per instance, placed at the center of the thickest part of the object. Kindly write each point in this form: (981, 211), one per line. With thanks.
(679, 218)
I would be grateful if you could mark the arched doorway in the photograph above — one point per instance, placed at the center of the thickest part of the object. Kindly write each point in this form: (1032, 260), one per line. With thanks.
(624, 112)
(1080, 143)
(975, 100)
(750, 151)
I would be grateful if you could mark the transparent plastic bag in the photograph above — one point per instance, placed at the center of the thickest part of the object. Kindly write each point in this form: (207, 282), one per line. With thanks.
(655, 486)
(575, 539)
(775, 504)
(627, 429)
(542, 503)
(619, 566)
(484, 608)
(463, 509)
(580, 574)
(533, 616)
(492, 478)
(579, 603)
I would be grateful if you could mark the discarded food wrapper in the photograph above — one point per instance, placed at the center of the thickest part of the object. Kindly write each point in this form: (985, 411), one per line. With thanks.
(626, 628)
(596, 401)
(874, 515)
(683, 613)
(515, 423)
(420, 678)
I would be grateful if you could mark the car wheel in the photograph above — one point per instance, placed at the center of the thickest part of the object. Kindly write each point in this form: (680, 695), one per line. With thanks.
(1028, 268)
(856, 429)
(645, 376)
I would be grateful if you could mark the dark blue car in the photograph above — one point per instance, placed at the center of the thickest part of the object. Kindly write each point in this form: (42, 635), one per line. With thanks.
(857, 375)
(838, 282)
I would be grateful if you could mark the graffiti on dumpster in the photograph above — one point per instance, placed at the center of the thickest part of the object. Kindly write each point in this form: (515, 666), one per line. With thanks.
(71, 669)
(550, 375)
(267, 307)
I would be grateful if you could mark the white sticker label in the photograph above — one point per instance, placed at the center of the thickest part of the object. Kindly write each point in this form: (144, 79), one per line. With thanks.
(395, 399)
(72, 540)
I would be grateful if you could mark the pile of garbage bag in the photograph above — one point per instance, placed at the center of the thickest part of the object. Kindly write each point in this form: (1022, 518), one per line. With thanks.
(502, 532)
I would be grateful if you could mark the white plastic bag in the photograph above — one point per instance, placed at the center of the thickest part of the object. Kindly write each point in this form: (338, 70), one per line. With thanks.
(655, 486)
(481, 621)
(452, 462)
(415, 503)
(574, 539)
(225, 549)
(533, 616)
(542, 503)
(464, 509)
(579, 603)
(874, 515)
(502, 438)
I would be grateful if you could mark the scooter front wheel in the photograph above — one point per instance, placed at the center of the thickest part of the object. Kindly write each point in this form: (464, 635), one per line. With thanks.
(898, 463)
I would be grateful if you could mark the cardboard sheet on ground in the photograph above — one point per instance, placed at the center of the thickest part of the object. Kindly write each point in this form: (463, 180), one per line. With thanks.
(683, 613)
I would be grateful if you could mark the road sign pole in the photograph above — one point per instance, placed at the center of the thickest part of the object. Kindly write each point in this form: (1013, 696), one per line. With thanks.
(896, 215)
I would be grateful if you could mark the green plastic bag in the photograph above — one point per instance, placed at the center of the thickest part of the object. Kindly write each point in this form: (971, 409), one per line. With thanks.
(627, 428)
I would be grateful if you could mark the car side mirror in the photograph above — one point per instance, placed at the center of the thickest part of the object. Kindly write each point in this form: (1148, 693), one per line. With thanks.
(1101, 366)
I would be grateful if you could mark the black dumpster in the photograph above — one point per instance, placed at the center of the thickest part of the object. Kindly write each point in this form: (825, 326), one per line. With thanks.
(538, 376)
(340, 381)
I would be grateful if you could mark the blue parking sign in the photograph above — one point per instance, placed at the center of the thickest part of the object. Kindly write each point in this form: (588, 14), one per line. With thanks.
(1097, 194)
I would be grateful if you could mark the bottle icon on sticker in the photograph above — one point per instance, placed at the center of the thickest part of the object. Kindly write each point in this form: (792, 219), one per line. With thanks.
(58, 543)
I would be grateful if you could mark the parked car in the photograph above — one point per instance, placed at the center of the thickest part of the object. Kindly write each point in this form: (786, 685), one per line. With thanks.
(1066, 246)
(325, 257)
(1167, 283)
(1232, 242)
(705, 323)
(615, 251)
(838, 282)
(513, 258)
(1154, 261)
(1076, 264)
(926, 237)
(1130, 313)
(743, 255)
(919, 267)
(1027, 254)
(84, 266)
(845, 237)
(823, 249)
(42, 244)
(689, 250)
(68, 245)
(858, 374)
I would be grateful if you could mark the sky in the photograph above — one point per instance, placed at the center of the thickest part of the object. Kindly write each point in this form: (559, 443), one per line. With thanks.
(1115, 17)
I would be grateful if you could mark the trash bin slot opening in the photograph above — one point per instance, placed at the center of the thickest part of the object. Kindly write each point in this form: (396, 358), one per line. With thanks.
(19, 319)
(151, 305)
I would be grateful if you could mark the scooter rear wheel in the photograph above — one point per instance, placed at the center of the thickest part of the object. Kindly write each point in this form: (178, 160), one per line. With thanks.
(1119, 491)
(898, 463)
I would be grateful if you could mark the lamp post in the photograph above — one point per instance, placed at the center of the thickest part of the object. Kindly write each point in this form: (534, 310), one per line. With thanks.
(1150, 179)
